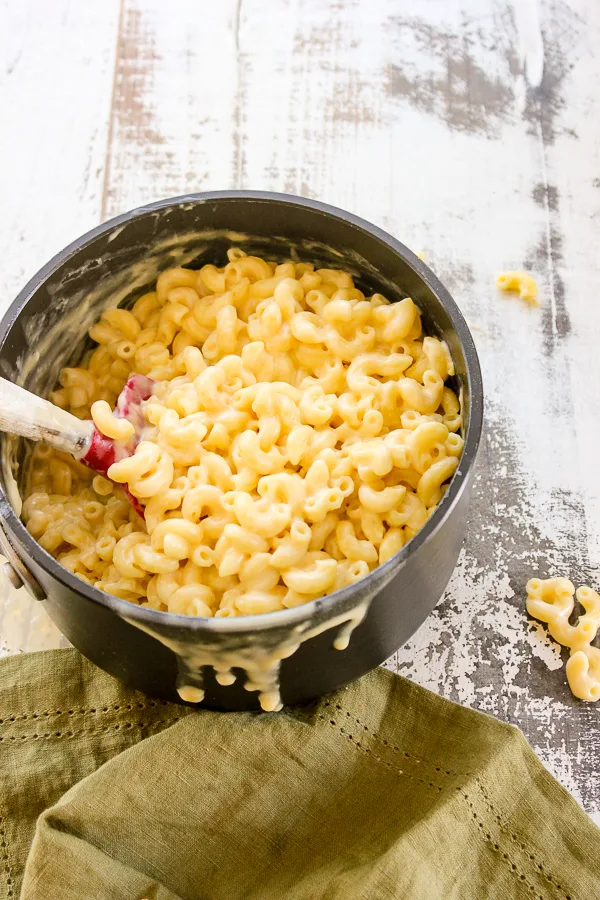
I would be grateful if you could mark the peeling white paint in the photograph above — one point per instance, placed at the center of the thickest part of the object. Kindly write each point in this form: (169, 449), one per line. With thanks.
(542, 645)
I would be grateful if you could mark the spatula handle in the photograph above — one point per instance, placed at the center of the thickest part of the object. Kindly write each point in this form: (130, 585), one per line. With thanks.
(28, 415)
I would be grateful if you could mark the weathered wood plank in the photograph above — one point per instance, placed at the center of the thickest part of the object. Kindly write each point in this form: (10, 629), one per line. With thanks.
(173, 126)
(519, 193)
(55, 96)
(56, 66)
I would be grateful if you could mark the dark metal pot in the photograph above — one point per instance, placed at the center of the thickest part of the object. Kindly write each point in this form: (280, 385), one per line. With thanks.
(45, 328)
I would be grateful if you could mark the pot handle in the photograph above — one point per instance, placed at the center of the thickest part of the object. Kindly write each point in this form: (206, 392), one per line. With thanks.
(15, 569)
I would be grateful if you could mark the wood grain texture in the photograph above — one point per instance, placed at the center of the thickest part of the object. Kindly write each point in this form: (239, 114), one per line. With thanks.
(173, 127)
(468, 129)
(525, 179)
(56, 63)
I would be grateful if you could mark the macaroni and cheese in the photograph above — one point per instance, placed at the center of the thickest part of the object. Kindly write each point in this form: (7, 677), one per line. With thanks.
(521, 283)
(552, 601)
(299, 434)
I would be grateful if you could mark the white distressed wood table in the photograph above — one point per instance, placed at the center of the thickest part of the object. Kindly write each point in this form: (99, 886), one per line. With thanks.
(470, 129)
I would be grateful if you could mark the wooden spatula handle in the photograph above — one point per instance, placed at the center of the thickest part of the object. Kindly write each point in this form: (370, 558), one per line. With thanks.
(28, 415)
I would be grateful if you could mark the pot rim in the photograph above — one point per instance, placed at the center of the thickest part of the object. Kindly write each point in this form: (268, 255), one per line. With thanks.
(333, 603)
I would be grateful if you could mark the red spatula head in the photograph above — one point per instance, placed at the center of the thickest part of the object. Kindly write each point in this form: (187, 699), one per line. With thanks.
(104, 451)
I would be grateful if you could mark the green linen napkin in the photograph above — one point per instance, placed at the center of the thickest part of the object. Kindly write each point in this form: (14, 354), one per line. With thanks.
(382, 790)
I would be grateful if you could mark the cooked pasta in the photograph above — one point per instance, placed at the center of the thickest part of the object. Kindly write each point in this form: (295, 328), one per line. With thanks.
(552, 600)
(299, 434)
(519, 282)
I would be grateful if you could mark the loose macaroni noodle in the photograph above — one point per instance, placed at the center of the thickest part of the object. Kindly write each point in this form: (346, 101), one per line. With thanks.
(552, 601)
(299, 434)
(520, 282)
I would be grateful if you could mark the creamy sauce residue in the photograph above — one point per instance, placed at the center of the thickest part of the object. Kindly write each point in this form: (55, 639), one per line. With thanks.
(54, 337)
(260, 657)
(12, 491)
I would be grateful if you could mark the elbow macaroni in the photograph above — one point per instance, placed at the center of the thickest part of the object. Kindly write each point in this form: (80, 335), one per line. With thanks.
(299, 434)
(552, 601)
(520, 282)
